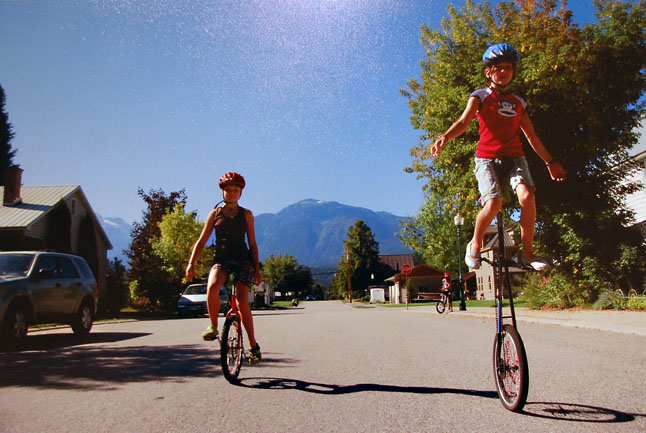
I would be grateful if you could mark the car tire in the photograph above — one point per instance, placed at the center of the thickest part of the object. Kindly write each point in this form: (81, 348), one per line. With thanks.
(14, 325)
(84, 319)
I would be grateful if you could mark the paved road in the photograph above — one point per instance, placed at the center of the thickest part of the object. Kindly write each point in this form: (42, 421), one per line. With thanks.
(328, 367)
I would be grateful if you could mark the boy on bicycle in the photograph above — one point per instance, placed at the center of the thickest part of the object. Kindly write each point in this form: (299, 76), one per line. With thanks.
(502, 116)
(232, 256)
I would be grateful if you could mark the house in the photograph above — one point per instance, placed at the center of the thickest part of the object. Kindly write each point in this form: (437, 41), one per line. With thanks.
(423, 278)
(637, 201)
(485, 276)
(52, 218)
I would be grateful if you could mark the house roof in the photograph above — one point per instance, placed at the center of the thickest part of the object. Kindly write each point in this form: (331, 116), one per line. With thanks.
(36, 202)
(420, 271)
(396, 261)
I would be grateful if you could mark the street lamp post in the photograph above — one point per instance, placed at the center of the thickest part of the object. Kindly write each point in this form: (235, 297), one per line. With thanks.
(459, 222)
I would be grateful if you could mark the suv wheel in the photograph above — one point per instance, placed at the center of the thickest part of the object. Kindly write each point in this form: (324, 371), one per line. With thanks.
(82, 323)
(14, 327)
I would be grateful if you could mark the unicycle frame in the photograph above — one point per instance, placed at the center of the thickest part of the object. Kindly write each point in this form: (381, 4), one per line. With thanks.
(510, 365)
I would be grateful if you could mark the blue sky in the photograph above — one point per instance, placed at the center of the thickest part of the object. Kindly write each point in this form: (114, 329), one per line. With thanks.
(300, 96)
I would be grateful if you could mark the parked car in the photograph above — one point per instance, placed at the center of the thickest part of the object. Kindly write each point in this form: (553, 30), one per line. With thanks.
(44, 287)
(310, 298)
(192, 301)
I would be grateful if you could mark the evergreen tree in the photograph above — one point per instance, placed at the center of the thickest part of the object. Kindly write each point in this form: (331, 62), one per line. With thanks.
(585, 88)
(6, 135)
(365, 268)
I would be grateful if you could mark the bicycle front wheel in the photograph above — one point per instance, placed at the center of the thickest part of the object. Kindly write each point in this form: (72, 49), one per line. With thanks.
(440, 307)
(510, 369)
(232, 349)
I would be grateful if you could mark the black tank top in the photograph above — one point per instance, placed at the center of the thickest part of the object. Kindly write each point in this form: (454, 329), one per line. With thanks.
(230, 235)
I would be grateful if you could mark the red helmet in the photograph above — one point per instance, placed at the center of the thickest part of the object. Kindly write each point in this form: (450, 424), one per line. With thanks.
(231, 178)
(447, 275)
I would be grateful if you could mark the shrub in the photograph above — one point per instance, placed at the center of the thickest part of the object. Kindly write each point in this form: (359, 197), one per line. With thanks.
(609, 300)
(553, 290)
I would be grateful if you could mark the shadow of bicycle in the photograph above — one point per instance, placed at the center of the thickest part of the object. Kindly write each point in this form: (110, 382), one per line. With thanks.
(578, 413)
(332, 389)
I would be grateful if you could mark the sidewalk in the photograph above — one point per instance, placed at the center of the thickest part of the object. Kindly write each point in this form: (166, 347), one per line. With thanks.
(625, 322)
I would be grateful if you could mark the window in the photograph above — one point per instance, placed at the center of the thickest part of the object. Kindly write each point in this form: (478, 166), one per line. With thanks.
(47, 262)
(83, 267)
(67, 268)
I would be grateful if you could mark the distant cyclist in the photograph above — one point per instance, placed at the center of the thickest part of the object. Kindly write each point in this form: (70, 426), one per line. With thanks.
(446, 290)
(502, 116)
(233, 255)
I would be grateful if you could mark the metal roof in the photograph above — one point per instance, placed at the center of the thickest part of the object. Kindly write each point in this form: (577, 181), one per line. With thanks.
(36, 202)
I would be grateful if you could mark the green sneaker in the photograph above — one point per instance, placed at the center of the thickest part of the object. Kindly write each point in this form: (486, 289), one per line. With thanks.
(210, 333)
(254, 355)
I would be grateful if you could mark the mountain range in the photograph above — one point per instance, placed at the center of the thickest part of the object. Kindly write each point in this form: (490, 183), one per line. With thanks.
(310, 230)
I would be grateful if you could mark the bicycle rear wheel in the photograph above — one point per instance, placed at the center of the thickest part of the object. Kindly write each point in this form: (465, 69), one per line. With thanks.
(440, 307)
(510, 369)
(232, 349)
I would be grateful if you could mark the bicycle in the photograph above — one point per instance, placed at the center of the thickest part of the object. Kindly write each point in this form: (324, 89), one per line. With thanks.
(511, 371)
(440, 307)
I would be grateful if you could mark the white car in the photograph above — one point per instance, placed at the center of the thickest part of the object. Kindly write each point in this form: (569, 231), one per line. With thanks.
(192, 302)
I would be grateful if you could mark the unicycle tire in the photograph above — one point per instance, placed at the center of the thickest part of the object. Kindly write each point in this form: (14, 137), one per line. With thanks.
(510, 369)
(232, 349)
(440, 307)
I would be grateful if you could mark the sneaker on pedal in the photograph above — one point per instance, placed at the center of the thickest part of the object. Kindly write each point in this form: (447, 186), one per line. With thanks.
(535, 262)
(472, 259)
(254, 355)
(210, 333)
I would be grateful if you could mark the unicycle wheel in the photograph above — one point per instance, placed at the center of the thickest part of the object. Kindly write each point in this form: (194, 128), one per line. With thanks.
(440, 307)
(510, 369)
(231, 349)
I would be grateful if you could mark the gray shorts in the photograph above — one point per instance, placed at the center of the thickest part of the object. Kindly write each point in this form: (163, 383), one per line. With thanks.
(243, 271)
(488, 183)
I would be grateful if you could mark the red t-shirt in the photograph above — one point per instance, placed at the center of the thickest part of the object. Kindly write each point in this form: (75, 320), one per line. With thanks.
(499, 118)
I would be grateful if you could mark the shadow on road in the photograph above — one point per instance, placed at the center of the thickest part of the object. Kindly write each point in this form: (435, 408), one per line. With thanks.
(577, 412)
(330, 389)
(71, 366)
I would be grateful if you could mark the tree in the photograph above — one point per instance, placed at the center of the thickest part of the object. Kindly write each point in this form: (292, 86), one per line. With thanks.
(6, 135)
(284, 274)
(178, 233)
(117, 292)
(363, 253)
(154, 286)
(585, 87)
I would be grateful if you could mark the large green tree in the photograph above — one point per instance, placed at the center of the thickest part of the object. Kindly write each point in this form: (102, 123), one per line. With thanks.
(6, 135)
(585, 86)
(284, 274)
(362, 251)
(179, 230)
(154, 287)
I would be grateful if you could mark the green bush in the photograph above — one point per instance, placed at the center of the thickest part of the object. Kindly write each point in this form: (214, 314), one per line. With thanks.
(609, 300)
(554, 290)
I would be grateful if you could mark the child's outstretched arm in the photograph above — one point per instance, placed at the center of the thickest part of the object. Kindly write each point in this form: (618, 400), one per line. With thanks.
(557, 172)
(458, 127)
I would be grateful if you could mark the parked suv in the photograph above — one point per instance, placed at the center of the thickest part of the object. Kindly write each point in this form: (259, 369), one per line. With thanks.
(43, 287)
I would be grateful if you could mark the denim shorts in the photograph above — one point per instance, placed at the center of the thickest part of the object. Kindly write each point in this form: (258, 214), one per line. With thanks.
(488, 183)
(243, 271)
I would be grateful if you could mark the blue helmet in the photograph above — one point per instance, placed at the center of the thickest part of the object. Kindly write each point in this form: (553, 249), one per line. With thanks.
(497, 53)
